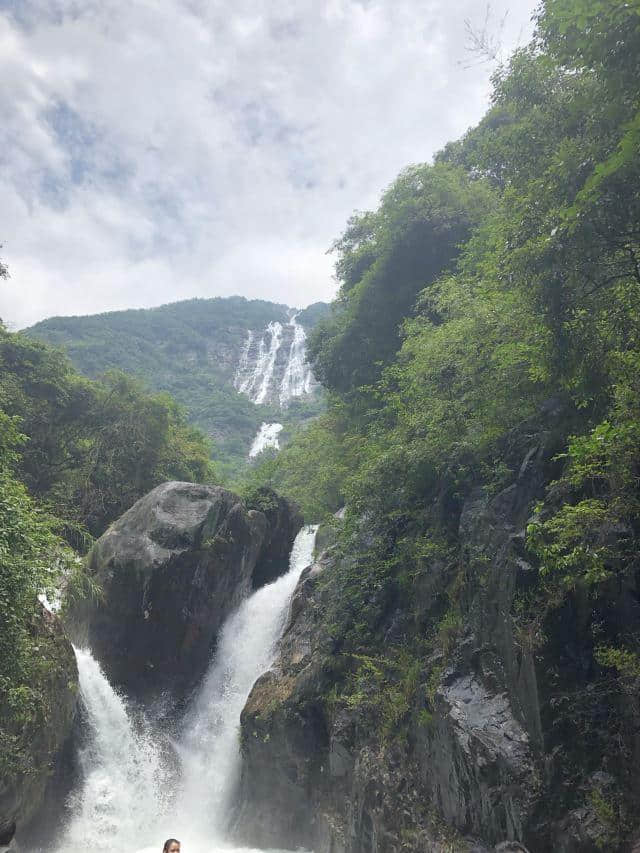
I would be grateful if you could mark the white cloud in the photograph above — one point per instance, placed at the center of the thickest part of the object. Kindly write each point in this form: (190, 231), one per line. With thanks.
(163, 149)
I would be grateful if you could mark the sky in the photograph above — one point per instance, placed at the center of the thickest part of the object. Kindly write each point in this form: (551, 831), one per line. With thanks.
(157, 150)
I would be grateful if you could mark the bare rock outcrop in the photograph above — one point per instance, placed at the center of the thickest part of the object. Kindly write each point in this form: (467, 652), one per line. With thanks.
(170, 570)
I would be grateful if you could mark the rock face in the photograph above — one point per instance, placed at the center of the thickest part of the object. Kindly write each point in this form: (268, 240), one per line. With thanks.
(40, 742)
(314, 777)
(285, 738)
(284, 520)
(481, 762)
(171, 569)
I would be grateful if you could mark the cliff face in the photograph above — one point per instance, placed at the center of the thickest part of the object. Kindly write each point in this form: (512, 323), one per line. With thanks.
(499, 739)
(42, 737)
(171, 569)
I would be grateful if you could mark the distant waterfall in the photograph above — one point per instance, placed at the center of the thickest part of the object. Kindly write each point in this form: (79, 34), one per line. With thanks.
(265, 374)
(255, 381)
(244, 373)
(127, 798)
(297, 379)
(267, 437)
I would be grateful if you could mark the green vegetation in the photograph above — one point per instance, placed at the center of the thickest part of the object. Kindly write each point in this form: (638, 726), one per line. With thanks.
(92, 448)
(189, 350)
(77, 452)
(501, 277)
(31, 557)
(504, 275)
(74, 455)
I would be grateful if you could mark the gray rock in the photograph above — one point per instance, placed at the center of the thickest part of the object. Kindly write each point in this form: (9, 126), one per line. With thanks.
(284, 520)
(476, 761)
(171, 569)
(480, 764)
(43, 738)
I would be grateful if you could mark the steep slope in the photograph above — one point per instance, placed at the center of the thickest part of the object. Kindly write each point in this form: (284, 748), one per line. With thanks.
(458, 739)
(232, 363)
(461, 671)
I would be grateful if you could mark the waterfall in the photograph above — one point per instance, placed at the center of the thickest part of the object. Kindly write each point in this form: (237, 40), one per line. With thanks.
(297, 377)
(275, 330)
(267, 437)
(122, 792)
(257, 376)
(243, 372)
(127, 797)
(246, 649)
(255, 382)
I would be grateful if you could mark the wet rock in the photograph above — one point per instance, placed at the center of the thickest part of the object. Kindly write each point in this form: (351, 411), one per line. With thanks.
(486, 760)
(170, 569)
(283, 732)
(476, 761)
(311, 777)
(284, 521)
(42, 739)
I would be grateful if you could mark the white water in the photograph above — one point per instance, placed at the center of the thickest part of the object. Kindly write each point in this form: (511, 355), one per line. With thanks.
(128, 799)
(246, 649)
(267, 436)
(256, 375)
(243, 370)
(297, 378)
(123, 791)
(255, 382)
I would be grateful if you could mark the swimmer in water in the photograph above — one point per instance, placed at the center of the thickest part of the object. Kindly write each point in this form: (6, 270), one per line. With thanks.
(171, 845)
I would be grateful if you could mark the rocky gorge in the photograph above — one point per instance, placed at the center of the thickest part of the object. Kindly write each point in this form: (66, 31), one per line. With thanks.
(456, 668)
(167, 575)
(170, 571)
(462, 747)
(475, 756)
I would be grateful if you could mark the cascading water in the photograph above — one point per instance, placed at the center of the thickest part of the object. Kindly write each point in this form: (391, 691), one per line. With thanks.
(127, 798)
(124, 788)
(260, 374)
(267, 437)
(264, 376)
(255, 382)
(243, 373)
(246, 649)
(297, 378)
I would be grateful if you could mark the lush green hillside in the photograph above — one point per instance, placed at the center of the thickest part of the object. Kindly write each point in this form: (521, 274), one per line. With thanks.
(191, 350)
(483, 361)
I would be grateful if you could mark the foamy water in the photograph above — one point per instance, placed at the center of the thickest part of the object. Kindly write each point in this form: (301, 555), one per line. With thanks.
(131, 796)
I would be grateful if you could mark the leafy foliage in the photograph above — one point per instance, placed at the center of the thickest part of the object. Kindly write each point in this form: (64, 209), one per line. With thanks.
(502, 276)
(92, 448)
(74, 455)
(31, 559)
(423, 217)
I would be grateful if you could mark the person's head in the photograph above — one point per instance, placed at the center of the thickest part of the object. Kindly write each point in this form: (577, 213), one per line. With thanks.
(171, 845)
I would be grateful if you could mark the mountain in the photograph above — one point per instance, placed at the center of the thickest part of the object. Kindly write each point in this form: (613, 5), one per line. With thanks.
(234, 364)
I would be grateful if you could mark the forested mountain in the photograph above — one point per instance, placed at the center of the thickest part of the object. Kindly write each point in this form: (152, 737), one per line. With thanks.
(193, 350)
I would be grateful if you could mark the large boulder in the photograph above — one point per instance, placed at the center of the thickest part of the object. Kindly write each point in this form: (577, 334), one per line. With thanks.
(170, 569)
(34, 744)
